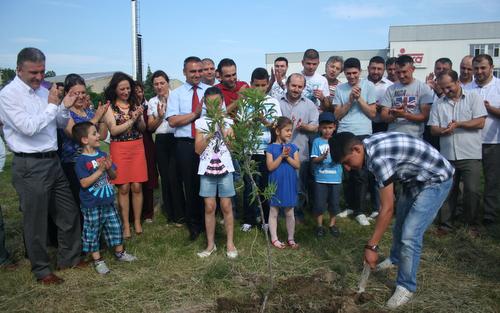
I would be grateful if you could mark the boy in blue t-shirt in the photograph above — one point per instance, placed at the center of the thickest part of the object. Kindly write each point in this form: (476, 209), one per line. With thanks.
(94, 169)
(327, 176)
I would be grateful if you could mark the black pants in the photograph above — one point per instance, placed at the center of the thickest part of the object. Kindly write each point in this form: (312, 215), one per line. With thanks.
(187, 169)
(171, 187)
(44, 190)
(251, 209)
(491, 168)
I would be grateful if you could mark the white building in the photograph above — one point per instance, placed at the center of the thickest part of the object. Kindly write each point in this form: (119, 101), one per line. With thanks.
(425, 43)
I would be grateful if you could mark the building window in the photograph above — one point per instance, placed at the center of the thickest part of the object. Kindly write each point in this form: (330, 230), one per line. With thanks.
(477, 49)
(496, 51)
(496, 72)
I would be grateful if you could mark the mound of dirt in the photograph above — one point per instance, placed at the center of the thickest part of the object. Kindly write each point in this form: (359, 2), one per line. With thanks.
(312, 294)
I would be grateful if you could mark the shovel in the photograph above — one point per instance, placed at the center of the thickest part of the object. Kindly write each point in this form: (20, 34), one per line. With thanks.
(364, 278)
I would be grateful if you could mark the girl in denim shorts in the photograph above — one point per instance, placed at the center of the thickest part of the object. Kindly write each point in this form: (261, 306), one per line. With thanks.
(216, 176)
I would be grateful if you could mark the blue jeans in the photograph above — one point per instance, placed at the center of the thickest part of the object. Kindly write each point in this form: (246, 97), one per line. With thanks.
(413, 216)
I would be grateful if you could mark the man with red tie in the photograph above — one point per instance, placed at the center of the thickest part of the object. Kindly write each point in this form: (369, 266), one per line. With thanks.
(184, 108)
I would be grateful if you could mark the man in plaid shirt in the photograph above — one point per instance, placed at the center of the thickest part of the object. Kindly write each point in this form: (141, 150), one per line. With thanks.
(426, 177)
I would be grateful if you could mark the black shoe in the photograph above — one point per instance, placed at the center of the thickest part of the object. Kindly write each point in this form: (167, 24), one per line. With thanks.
(488, 222)
(320, 231)
(334, 231)
(193, 235)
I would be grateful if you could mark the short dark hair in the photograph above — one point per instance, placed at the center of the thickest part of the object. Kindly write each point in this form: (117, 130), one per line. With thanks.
(72, 80)
(481, 57)
(60, 84)
(295, 75)
(225, 62)
(335, 59)
(311, 54)
(30, 54)
(159, 73)
(451, 73)
(278, 59)
(377, 59)
(213, 91)
(444, 61)
(208, 60)
(390, 61)
(352, 62)
(341, 145)
(81, 130)
(404, 59)
(259, 73)
(191, 59)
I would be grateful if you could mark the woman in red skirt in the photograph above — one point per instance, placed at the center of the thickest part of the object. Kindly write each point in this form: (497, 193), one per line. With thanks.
(125, 123)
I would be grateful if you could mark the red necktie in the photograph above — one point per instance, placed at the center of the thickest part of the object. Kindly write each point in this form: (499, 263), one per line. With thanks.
(194, 105)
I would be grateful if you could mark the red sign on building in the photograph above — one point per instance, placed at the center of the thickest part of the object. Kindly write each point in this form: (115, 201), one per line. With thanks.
(417, 57)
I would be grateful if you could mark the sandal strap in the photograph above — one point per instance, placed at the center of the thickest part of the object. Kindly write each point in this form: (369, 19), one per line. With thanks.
(278, 244)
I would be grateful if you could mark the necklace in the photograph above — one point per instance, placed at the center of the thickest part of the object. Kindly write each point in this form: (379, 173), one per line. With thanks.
(79, 112)
(123, 107)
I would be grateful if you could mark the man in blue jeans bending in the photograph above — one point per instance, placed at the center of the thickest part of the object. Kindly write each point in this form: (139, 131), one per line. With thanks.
(426, 178)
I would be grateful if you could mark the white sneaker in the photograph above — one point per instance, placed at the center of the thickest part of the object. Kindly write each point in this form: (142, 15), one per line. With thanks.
(401, 296)
(101, 267)
(125, 257)
(385, 265)
(345, 213)
(362, 220)
(246, 228)
(374, 215)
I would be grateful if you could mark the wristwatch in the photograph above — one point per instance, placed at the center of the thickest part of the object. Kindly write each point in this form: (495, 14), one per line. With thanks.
(373, 248)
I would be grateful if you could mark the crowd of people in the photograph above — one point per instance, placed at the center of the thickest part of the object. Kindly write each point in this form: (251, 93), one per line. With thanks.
(378, 141)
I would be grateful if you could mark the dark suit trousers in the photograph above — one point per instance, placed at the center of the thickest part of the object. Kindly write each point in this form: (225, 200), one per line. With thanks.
(44, 190)
(187, 169)
(171, 187)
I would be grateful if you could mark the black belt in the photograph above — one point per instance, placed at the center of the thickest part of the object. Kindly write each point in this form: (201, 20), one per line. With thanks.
(185, 139)
(37, 155)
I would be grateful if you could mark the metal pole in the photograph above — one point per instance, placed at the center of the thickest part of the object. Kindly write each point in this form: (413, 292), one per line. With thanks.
(134, 40)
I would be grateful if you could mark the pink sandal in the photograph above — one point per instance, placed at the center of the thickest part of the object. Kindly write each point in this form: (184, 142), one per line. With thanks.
(292, 244)
(278, 244)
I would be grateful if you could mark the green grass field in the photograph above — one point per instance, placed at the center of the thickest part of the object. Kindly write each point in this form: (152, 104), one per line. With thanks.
(458, 273)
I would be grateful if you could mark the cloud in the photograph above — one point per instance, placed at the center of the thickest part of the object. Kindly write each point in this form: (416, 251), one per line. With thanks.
(359, 11)
(29, 40)
(67, 4)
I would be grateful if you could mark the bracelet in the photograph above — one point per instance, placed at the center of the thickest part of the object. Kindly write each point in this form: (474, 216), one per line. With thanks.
(373, 248)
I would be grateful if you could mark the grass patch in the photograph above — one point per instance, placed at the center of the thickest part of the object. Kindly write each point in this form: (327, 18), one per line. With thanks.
(457, 273)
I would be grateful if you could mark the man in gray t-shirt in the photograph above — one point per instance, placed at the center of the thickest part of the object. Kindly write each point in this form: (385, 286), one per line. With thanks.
(304, 116)
(407, 103)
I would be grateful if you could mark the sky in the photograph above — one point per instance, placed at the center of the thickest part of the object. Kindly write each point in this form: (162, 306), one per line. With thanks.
(85, 36)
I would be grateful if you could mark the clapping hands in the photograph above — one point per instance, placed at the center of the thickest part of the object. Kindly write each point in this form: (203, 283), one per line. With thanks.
(137, 113)
(102, 109)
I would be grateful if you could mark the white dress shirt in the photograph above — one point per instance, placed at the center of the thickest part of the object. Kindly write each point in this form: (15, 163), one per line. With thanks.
(30, 122)
(164, 128)
(491, 93)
